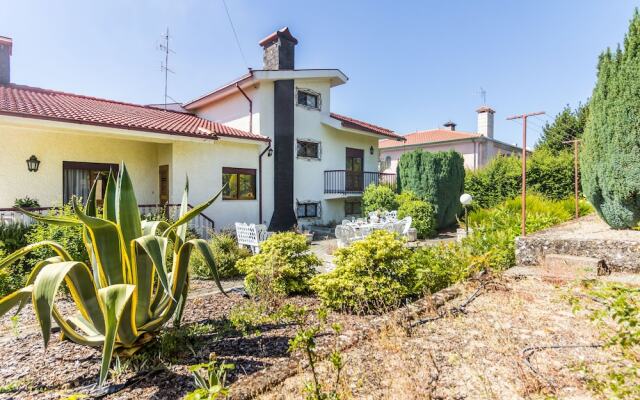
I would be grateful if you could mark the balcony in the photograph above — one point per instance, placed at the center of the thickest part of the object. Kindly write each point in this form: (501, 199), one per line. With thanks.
(340, 183)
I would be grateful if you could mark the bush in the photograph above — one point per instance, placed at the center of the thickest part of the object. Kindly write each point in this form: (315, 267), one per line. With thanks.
(283, 266)
(371, 275)
(378, 198)
(13, 236)
(422, 215)
(609, 156)
(26, 202)
(499, 180)
(440, 266)
(551, 174)
(495, 229)
(69, 237)
(406, 196)
(226, 253)
(437, 178)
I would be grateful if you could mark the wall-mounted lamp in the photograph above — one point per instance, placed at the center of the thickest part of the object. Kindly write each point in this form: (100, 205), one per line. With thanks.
(33, 164)
(270, 152)
(371, 150)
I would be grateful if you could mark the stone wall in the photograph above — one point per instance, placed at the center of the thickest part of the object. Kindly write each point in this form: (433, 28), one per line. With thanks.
(620, 255)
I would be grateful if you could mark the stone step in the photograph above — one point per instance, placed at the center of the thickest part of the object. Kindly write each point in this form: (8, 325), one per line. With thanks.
(564, 265)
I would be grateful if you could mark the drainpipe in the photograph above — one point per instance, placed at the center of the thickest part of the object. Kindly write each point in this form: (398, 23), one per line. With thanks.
(250, 107)
(260, 180)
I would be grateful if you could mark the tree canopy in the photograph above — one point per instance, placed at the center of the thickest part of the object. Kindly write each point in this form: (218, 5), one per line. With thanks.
(569, 124)
(610, 154)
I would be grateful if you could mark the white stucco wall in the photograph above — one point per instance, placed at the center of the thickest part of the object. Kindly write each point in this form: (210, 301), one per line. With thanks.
(466, 149)
(233, 110)
(52, 147)
(203, 163)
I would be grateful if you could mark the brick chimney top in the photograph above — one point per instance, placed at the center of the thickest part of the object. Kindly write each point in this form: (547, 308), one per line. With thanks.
(279, 34)
(484, 109)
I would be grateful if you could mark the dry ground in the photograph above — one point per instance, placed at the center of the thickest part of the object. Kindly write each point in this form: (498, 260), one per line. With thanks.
(477, 355)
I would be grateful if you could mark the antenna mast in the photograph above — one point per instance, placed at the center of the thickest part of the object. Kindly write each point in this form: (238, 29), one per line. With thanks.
(165, 66)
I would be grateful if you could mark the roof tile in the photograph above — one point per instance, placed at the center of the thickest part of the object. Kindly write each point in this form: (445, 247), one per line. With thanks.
(31, 102)
(365, 126)
(432, 136)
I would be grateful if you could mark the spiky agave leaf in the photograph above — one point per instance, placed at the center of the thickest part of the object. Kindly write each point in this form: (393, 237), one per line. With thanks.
(120, 305)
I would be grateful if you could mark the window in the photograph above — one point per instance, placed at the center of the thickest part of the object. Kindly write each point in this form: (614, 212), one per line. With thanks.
(78, 177)
(309, 99)
(308, 149)
(241, 183)
(387, 162)
(308, 210)
(353, 207)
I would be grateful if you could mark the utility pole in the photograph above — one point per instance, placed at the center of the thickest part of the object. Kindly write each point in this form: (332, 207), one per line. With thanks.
(575, 172)
(165, 67)
(524, 117)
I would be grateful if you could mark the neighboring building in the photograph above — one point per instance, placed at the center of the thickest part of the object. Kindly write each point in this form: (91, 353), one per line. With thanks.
(477, 148)
(269, 134)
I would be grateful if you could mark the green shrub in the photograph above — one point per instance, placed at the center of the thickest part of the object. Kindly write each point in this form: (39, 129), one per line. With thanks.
(440, 266)
(437, 178)
(69, 237)
(610, 160)
(371, 275)
(551, 174)
(495, 229)
(13, 236)
(378, 198)
(406, 196)
(26, 202)
(284, 266)
(226, 253)
(499, 180)
(422, 215)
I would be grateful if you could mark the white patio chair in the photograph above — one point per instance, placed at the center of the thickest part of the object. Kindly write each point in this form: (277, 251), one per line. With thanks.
(391, 215)
(346, 222)
(345, 234)
(402, 226)
(365, 230)
(251, 235)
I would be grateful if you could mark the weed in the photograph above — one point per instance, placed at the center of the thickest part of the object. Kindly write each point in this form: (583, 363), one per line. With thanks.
(212, 384)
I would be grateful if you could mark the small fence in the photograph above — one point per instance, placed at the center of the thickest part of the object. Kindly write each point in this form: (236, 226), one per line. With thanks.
(201, 224)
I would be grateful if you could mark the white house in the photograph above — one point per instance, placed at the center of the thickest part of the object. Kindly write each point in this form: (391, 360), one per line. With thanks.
(269, 134)
(477, 148)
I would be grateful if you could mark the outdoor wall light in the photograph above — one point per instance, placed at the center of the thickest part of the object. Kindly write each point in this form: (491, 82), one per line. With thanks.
(270, 152)
(371, 150)
(33, 164)
(465, 200)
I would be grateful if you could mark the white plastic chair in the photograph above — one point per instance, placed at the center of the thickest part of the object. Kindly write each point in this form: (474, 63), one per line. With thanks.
(391, 215)
(345, 235)
(402, 226)
(251, 235)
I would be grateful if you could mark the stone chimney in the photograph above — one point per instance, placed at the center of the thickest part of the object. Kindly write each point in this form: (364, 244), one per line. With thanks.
(279, 50)
(5, 59)
(450, 125)
(485, 121)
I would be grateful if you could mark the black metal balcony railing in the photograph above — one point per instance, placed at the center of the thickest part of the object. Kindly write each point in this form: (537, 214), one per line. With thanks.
(353, 182)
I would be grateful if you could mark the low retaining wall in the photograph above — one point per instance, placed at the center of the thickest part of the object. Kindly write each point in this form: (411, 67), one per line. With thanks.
(586, 237)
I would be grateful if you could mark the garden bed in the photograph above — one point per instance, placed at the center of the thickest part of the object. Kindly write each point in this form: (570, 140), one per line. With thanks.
(65, 368)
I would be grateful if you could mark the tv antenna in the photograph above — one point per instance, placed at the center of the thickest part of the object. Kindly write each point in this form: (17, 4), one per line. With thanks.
(483, 96)
(164, 66)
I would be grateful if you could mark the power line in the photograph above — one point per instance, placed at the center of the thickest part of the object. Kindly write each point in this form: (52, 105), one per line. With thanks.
(235, 34)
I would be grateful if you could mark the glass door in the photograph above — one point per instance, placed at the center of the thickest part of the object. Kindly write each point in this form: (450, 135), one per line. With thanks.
(354, 174)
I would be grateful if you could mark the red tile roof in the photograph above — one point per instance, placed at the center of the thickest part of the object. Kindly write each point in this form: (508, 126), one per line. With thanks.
(427, 137)
(30, 102)
(353, 123)
(283, 33)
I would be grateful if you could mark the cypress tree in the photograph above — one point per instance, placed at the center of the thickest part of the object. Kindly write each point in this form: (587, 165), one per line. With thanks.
(435, 177)
(610, 154)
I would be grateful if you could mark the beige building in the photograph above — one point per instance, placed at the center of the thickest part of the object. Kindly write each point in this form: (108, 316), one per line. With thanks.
(477, 148)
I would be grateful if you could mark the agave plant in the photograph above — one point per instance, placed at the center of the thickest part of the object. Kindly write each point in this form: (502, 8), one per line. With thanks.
(129, 292)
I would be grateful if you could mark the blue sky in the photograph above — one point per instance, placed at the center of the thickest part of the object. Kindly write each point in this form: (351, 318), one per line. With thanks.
(412, 64)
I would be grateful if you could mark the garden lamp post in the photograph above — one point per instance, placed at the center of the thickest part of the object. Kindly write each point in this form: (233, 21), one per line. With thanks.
(465, 200)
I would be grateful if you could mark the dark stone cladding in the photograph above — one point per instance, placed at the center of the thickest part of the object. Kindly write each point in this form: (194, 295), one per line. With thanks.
(279, 55)
(283, 218)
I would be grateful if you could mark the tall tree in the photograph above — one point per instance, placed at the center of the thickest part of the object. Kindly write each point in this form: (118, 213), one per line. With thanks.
(569, 124)
(610, 154)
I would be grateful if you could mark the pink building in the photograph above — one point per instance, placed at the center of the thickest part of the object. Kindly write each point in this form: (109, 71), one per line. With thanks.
(477, 148)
